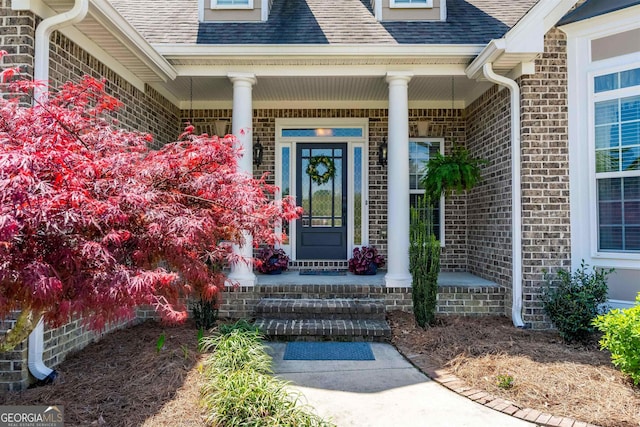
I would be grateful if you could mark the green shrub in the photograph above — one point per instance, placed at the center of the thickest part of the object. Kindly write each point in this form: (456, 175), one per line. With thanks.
(574, 302)
(239, 390)
(205, 313)
(621, 329)
(424, 263)
(240, 325)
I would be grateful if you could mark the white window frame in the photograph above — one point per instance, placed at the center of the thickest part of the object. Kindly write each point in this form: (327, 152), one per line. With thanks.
(440, 143)
(216, 5)
(581, 97)
(594, 176)
(423, 4)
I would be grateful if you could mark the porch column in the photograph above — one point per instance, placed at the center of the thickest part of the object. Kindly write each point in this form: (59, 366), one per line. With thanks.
(398, 274)
(242, 128)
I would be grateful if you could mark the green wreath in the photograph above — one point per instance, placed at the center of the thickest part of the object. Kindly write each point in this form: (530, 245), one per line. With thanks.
(312, 169)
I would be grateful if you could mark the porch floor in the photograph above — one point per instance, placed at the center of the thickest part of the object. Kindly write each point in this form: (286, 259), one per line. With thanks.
(293, 277)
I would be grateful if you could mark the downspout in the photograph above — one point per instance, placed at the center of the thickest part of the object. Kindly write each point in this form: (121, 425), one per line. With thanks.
(516, 197)
(41, 74)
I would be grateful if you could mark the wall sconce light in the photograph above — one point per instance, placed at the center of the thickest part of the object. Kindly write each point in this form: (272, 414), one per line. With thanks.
(258, 152)
(383, 152)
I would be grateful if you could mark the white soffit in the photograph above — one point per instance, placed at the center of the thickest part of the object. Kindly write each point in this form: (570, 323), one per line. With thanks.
(108, 37)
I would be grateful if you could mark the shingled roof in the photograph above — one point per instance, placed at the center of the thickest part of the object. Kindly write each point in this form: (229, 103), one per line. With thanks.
(592, 8)
(322, 22)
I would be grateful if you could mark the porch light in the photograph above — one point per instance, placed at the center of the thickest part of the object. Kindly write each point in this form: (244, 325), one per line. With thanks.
(382, 152)
(258, 152)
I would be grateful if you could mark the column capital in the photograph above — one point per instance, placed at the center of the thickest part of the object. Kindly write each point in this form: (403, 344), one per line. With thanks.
(393, 76)
(242, 77)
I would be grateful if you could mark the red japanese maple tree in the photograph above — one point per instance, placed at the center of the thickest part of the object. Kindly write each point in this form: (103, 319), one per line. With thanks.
(93, 223)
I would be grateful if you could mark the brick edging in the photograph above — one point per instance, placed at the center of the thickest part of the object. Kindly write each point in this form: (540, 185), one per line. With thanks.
(453, 383)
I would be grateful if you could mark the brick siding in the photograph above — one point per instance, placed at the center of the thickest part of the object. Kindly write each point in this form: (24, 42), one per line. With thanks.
(546, 239)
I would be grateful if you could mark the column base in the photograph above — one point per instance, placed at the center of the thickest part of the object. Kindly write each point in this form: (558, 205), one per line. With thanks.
(242, 279)
(398, 280)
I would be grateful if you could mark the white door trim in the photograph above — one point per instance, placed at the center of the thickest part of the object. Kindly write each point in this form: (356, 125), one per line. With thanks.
(352, 143)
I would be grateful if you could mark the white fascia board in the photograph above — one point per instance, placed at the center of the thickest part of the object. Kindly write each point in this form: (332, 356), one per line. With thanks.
(111, 19)
(214, 70)
(525, 37)
(491, 53)
(528, 33)
(312, 50)
(600, 26)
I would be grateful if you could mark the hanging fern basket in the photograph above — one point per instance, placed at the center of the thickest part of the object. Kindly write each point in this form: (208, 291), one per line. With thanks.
(457, 173)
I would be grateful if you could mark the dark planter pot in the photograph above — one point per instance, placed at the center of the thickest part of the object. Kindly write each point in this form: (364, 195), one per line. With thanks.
(277, 271)
(371, 271)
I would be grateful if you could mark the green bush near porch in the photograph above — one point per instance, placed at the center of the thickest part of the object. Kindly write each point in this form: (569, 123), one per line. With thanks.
(424, 263)
(621, 336)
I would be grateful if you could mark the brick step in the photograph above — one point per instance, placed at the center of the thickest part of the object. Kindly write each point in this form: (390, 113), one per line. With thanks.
(321, 291)
(309, 308)
(322, 330)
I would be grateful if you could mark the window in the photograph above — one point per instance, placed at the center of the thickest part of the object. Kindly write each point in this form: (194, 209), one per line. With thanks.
(232, 4)
(616, 134)
(411, 3)
(420, 150)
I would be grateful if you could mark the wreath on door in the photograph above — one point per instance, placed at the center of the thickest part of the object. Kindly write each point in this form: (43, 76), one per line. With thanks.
(315, 175)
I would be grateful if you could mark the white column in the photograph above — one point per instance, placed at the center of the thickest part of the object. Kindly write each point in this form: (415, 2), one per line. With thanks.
(242, 128)
(398, 274)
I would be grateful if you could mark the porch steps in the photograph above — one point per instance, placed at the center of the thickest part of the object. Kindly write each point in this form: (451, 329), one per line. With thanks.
(323, 312)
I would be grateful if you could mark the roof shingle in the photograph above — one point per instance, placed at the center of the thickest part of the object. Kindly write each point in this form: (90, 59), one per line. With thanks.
(322, 22)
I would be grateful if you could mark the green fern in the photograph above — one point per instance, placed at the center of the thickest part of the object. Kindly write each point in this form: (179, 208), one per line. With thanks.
(457, 172)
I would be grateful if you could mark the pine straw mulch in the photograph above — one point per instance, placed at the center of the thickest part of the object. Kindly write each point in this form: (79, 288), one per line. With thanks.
(122, 380)
(550, 376)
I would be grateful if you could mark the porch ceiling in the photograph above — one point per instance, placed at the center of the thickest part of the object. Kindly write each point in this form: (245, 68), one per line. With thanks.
(322, 92)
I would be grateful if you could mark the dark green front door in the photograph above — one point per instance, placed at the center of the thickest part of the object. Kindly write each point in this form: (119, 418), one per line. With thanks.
(321, 232)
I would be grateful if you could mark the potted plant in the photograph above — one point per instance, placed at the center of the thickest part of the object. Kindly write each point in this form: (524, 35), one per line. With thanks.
(365, 260)
(457, 172)
(272, 261)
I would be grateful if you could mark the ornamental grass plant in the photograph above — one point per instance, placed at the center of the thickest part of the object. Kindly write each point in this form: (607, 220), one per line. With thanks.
(240, 391)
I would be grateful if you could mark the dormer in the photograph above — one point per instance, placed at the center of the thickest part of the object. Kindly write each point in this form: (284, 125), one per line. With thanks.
(234, 10)
(410, 10)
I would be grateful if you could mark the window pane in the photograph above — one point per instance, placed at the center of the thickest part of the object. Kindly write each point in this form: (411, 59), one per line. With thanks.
(610, 213)
(607, 136)
(632, 238)
(611, 238)
(610, 189)
(606, 112)
(630, 108)
(631, 159)
(630, 78)
(357, 195)
(607, 82)
(607, 161)
(286, 185)
(632, 188)
(631, 133)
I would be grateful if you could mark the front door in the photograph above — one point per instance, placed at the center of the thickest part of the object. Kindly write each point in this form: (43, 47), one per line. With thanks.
(321, 232)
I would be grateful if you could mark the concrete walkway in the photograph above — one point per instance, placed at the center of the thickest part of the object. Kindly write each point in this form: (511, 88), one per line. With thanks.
(387, 391)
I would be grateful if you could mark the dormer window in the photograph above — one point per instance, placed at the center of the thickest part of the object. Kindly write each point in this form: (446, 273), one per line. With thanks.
(411, 3)
(232, 4)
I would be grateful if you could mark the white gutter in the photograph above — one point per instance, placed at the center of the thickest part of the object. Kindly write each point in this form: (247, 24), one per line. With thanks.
(41, 74)
(516, 196)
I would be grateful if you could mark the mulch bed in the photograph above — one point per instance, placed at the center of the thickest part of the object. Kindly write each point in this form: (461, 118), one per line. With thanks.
(123, 380)
(567, 380)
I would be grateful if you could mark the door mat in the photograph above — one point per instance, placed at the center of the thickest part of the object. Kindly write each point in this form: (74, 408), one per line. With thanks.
(323, 272)
(300, 350)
